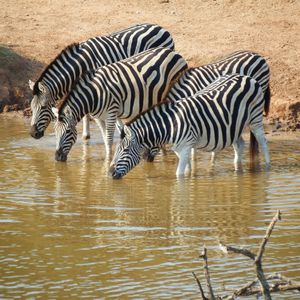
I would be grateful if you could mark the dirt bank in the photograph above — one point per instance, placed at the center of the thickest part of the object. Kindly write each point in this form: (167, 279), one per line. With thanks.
(36, 31)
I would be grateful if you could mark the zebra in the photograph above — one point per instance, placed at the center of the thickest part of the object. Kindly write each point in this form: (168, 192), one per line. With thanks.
(195, 79)
(120, 90)
(59, 76)
(212, 119)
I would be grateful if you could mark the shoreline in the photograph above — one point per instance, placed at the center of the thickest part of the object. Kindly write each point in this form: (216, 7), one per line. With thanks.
(272, 130)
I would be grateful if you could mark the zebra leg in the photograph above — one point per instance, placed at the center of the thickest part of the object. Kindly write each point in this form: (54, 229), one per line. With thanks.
(259, 134)
(238, 147)
(86, 127)
(101, 124)
(213, 158)
(184, 164)
(110, 130)
(193, 153)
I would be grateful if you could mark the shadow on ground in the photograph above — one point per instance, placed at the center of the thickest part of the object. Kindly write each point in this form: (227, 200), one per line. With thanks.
(15, 71)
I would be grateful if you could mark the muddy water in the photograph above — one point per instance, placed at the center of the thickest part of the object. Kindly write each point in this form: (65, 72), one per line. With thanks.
(68, 231)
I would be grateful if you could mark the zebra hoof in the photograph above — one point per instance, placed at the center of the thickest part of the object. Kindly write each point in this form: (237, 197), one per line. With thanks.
(86, 137)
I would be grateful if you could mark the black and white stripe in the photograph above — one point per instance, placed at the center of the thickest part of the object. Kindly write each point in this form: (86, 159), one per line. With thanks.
(59, 76)
(212, 120)
(196, 79)
(241, 62)
(119, 90)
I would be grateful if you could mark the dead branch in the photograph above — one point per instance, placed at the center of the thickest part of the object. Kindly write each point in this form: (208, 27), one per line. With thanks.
(282, 284)
(258, 257)
(226, 249)
(267, 236)
(251, 288)
(283, 278)
(200, 287)
(207, 276)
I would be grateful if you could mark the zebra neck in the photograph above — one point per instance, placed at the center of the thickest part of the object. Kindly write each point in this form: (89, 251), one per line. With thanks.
(62, 74)
(154, 127)
(90, 96)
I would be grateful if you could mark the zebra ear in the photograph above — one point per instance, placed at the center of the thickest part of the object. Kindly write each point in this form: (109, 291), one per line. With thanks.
(55, 112)
(127, 131)
(31, 84)
(42, 88)
(69, 115)
(68, 112)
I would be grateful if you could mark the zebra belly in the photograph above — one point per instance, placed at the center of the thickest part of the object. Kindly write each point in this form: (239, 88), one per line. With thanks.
(217, 141)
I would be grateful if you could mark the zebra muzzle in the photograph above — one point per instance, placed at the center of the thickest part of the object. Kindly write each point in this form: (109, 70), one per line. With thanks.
(35, 133)
(60, 155)
(116, 175)
(113, 173)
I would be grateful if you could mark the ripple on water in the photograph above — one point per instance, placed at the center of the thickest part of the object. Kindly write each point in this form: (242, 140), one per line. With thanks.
(69, 231)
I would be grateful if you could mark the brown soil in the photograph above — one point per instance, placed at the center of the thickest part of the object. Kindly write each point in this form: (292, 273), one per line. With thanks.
(203, 30)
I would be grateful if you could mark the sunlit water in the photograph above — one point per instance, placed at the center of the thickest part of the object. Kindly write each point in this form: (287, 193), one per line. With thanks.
(69, 231)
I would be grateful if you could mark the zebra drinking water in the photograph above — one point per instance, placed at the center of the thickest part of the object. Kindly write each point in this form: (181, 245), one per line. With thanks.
(120, 90)
(196, 79)
(59, 76)
(212, 119)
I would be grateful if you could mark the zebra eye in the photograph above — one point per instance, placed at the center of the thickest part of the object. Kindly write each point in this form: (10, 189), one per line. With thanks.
(43, 107)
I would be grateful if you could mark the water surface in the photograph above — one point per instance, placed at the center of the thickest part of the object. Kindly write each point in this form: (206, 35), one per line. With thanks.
(70, 231)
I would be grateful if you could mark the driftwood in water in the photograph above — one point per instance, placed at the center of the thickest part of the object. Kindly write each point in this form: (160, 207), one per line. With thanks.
(280, 285)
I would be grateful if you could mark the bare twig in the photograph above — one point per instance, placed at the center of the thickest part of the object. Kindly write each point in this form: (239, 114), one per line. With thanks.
(285, 284)
(251, 288)
(226, 249)
(243, 290)
(207, 276)
(258, 260)
(200, 287)
(283, 278)
(267, 236)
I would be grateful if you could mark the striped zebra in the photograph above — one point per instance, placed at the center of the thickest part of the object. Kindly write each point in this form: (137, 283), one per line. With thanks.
(196, 79)
(59, 76)
(120, 90)
(241, 62)
(212, 119)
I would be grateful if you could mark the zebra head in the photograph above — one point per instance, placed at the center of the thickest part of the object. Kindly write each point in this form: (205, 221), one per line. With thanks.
(127, 155)
(41, 109)
(65, 131)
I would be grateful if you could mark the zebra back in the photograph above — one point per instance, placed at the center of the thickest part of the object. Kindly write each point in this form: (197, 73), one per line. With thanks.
(130, 86)
(120, 90)
(142, 37)
(242, 62)
(212, 119)
(78, 58)
(215, 117)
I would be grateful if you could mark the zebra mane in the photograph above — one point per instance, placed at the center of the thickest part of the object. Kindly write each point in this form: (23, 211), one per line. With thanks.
(165, 98)
(62, 102)
(69, 47)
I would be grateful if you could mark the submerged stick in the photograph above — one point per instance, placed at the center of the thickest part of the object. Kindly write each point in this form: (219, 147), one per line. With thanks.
(200, 287)
(207, 276)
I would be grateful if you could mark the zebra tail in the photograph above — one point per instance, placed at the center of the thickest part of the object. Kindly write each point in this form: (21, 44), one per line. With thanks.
(267, 97)
(253, 147)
